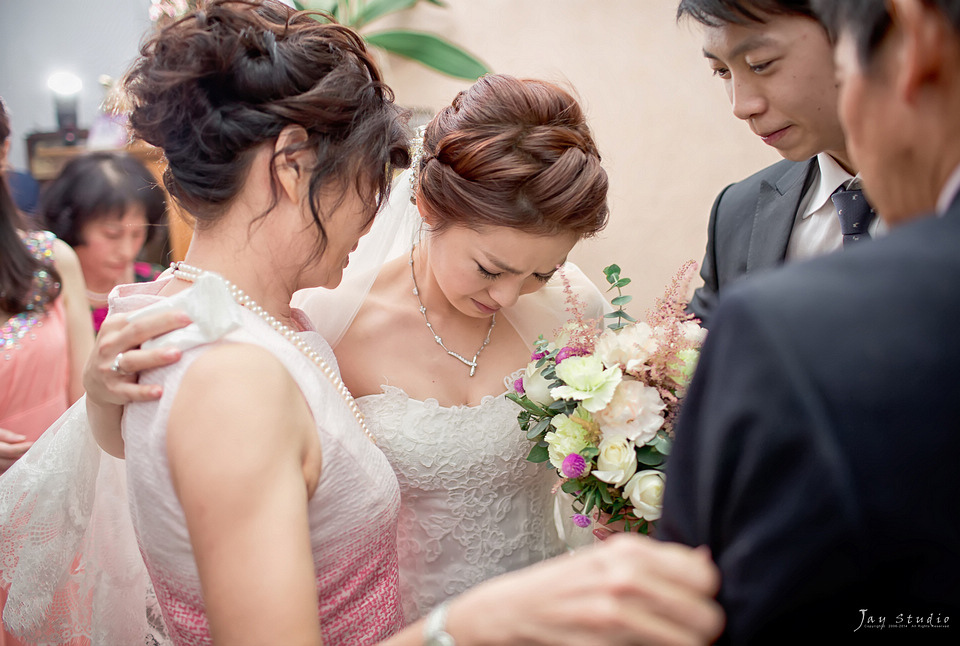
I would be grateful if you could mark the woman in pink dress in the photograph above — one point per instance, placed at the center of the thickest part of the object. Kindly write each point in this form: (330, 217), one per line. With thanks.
(45, 332)
(262, 510)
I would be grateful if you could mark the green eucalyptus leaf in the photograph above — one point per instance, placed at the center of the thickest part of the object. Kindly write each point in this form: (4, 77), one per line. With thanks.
(610, 270)
(430, 50)
(539, 428)
(623, 282)
(649, 456)
(627, 317)
(571, 486)
(662, 443)
(538, 454)
(621, 300)
(613, 315)
(605, 495)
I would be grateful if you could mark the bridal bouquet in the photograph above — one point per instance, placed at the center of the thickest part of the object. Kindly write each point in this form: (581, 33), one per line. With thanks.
(600, 403)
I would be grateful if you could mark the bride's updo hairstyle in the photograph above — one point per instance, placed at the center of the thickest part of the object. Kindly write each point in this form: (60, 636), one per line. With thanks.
(514, 153)
(213, 86)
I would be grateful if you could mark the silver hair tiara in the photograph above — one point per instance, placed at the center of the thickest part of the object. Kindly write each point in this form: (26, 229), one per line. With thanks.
(416, 155)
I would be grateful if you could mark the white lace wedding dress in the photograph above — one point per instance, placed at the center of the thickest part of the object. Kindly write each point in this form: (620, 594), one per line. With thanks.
(471, 506)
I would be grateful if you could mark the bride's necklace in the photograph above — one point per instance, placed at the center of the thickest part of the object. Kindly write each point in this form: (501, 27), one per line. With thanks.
(472, 363)
(188, 273)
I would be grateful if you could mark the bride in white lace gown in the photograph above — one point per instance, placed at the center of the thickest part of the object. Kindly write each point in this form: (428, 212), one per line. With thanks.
(509, 180)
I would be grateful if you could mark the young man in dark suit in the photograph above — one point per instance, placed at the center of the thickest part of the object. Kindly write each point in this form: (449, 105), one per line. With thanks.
(775, 61)
(816, 454)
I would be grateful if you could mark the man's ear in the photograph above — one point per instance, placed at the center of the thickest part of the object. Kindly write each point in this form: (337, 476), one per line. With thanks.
(922, 39)
(292, 166)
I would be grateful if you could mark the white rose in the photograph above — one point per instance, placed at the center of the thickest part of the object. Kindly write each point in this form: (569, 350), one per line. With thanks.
(535, 386)
(645, 491)
(628, 347)
(635, 412)
(617, 461)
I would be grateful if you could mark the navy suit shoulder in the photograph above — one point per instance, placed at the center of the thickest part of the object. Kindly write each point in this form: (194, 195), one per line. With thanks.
(816, 450)
(749, 227)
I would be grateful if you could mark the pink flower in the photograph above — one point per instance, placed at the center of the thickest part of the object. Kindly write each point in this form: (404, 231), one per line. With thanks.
(518, 386)
(573, 466)
(536, 356)
(566, 352)
(581, 521)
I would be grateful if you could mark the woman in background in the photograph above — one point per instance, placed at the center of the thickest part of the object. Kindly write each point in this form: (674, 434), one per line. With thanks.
(45, 336)
(107, 206)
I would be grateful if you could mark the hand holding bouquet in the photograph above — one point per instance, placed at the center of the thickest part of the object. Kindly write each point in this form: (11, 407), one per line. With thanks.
(600, 404)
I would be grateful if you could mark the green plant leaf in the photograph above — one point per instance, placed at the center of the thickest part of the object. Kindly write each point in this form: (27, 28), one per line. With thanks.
(539, 428)
(610, 270)
(649, 456)
(621, 300)
(623, 282)
(538, 454)
(571, 486)
(374, 9)
(605, 495)
(328, 6)
(430, 50)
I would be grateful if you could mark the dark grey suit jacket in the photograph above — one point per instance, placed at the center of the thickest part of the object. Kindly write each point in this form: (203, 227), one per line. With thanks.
(750, 226)
(817, 451)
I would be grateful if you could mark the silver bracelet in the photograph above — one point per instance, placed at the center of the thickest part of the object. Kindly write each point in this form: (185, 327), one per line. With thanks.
(435, 627)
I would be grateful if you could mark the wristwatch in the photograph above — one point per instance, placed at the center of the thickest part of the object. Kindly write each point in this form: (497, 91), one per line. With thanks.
(434, 628)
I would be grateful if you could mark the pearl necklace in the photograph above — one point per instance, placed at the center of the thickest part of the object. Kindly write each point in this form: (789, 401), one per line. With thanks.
(472, 363)
(188, 273)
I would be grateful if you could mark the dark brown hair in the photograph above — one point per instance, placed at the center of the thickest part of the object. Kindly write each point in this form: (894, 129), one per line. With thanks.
(514, 153)
(98, 185)
(21, 273)
(213, 86)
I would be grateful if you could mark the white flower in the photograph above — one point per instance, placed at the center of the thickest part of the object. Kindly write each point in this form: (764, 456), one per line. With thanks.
(645, 491)
(569, 438)
(587, 381)
(617, 461)
(535, 386)
(635, 413)
(628, 347)
(693, 332)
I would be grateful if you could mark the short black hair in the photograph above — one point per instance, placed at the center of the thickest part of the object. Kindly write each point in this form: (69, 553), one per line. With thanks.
(868, 21)
(98, 185)
(717, 13)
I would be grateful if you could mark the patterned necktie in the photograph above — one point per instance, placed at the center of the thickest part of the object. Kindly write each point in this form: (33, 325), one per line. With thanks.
(855, 213)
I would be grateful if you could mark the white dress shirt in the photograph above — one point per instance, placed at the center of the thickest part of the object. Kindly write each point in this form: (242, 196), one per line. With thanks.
(817, 228)
(949, 191)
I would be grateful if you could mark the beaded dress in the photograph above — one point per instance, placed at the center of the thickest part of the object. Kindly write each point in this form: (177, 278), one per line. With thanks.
(34, 356)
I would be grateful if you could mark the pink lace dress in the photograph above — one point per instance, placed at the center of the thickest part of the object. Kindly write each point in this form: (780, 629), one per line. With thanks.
(353, 513)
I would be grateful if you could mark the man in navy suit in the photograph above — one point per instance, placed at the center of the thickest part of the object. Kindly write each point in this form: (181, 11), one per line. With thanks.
(817, 451)
(775, 61)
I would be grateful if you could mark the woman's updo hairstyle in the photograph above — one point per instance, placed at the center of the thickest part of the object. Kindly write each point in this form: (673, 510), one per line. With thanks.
(211, 87)
(515, 153)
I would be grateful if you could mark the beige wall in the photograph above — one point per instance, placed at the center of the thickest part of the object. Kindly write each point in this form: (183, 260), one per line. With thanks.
(662, 122)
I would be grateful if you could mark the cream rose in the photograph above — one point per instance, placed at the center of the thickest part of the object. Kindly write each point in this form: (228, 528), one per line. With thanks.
(535, 386)
(634, 413)
(645, 491)
(617, 461)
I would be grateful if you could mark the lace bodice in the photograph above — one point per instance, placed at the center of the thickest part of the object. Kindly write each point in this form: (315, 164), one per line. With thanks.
(472, 507)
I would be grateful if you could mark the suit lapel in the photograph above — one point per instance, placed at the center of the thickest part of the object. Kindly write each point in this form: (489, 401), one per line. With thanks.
(777, 207)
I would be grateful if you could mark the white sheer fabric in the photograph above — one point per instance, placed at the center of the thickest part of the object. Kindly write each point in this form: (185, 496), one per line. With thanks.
(472, 507)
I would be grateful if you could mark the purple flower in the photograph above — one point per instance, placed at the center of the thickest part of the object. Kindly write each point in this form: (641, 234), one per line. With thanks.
(573, 465)
(536, 356)
(566, 352)
(581, 521)
(518, 386)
